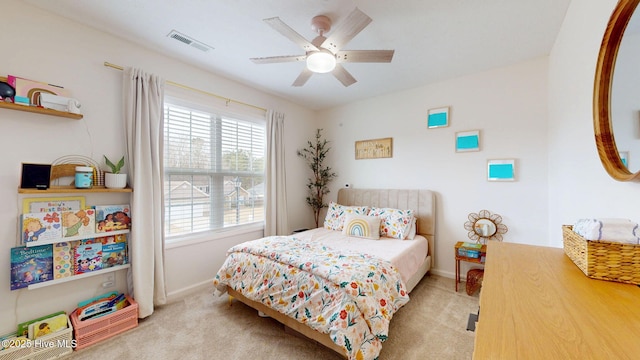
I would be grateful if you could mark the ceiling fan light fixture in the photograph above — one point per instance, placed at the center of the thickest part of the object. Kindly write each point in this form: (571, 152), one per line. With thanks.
(321, 62)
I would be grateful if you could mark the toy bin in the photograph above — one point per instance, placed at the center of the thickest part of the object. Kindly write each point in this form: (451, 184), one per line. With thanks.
(50, 346)
(91, 331)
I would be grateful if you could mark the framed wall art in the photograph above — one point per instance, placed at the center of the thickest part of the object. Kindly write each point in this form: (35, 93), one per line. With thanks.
(468, 141)
(501, 170)
(374, 149)
(438, 117)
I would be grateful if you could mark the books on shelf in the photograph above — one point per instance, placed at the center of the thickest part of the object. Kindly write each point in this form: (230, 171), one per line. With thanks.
(470, 250)
(42, 226)
(114, 254)
(469, 245)
(87, 258)
(63, 259)
(112, 218)
(31, 265)
(78, 222)
(63, 241)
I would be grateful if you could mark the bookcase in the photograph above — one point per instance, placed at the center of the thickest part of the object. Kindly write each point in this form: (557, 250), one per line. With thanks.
(61, 191)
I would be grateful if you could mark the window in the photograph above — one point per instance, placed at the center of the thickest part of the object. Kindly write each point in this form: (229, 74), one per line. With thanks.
(214, 170)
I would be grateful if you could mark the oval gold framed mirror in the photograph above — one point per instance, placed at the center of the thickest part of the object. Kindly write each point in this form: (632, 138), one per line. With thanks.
(603, 122)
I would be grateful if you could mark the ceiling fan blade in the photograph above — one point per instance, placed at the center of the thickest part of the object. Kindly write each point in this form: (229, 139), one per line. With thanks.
(303, 77)
(343, 75)
(278, 59)
(362, 56)
(348, 29)
(290, 34)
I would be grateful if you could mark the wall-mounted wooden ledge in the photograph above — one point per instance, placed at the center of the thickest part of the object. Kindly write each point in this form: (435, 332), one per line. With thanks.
(39, 110)
(71, 189)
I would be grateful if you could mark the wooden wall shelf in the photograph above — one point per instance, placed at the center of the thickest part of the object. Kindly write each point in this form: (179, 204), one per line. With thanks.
(39, 110)
(71, 189)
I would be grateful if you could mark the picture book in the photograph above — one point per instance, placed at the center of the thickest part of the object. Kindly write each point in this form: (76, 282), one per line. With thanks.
(59, 204)
(109, 296)
(114, 254)
(112, 217)
(110, 239)
(101, 305)
(47, 326)
(63, 259)
(42, 227)
(87, 257)
(78, 222)
(23, 328)
(12, 341)
(469, 245)
(31, 265)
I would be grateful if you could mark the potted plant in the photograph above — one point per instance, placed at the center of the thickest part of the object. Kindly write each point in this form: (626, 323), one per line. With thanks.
(114, 179)
(318, 185)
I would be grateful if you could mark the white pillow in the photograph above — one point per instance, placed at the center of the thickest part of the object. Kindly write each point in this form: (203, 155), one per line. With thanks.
(363, 226)
(412, 230)
(394, 223)
(336, 212)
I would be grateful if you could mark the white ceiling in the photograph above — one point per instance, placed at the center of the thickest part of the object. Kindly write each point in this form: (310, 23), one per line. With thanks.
(433, 39)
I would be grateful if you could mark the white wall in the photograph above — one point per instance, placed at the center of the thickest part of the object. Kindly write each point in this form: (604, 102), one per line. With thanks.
(48, 48)
(507, 105)
(578, 184)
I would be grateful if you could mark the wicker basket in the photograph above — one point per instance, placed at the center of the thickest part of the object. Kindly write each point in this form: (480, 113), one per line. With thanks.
(604, 260)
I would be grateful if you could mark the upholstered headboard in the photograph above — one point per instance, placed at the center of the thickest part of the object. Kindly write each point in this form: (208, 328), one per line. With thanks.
(423, 202)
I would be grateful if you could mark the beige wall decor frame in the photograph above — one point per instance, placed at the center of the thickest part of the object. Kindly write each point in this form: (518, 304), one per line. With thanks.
(374, 148)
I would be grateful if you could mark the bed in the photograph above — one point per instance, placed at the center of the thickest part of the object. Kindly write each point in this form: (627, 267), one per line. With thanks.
(333, 284)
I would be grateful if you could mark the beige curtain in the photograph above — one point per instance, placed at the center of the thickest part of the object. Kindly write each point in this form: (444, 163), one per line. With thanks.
(143, 122)
(275, 183)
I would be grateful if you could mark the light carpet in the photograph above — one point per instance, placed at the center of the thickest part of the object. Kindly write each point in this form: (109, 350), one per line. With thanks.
(203, 326)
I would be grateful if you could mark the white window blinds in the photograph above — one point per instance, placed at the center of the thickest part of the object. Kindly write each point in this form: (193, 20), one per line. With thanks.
(214, 170)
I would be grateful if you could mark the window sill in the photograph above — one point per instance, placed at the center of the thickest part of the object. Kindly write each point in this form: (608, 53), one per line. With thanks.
(205, 236)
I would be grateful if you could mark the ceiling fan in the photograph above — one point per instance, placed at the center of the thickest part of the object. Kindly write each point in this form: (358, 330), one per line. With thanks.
(324, 55)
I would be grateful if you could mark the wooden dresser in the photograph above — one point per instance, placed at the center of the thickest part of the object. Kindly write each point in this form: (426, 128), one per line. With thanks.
(536, 304)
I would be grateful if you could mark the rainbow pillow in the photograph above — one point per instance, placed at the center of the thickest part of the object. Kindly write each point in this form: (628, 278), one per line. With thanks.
(363, 226)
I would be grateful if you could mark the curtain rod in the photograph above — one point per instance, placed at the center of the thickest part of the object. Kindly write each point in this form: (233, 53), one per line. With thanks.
(108, 64)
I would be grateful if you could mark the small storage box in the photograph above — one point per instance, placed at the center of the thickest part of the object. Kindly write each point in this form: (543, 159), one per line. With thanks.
(50, 346)
(604, 260)
(91, 331)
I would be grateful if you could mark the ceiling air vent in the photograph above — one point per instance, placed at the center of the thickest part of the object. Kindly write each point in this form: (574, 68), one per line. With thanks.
(189, 41)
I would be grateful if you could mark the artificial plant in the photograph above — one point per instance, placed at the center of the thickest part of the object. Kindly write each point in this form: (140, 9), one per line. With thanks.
(314, 154)
(115, 167)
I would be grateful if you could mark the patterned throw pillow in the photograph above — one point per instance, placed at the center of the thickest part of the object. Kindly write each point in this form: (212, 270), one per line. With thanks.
(367, 227)
(336, 212)
(394, 223)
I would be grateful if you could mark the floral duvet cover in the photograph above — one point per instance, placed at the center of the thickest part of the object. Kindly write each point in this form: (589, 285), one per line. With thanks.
(348, 295)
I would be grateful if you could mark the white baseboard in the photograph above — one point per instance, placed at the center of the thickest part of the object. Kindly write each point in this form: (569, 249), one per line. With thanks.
(180, 294)
(447, 274)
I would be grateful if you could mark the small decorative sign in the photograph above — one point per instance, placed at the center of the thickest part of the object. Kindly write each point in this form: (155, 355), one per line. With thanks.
(375, 148)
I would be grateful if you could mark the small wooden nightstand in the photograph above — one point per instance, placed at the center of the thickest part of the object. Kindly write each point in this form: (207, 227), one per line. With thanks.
(480, 260)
